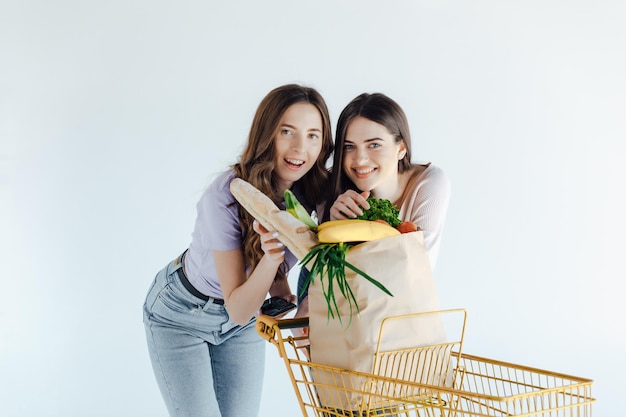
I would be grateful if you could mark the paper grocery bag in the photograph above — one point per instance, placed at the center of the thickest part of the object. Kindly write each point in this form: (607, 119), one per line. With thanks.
(401, 264)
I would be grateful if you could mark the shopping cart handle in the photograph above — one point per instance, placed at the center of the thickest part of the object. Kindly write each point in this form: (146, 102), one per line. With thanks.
(293, 323)
(270, 329)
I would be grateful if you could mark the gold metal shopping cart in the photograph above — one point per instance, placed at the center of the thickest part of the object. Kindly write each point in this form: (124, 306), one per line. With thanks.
(425, 381)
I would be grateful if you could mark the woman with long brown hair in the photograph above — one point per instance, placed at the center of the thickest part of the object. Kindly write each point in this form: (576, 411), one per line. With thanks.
(200, 311)
(373, 157)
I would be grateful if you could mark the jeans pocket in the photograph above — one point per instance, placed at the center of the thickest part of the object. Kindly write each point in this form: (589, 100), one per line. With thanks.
(164, 300)
(175, 300)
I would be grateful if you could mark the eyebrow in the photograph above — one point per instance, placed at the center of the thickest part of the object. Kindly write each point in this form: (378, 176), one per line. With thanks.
(367, 140)
(295, 128)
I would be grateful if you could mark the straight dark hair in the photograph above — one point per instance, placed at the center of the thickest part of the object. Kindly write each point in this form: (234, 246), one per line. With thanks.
(380, 109)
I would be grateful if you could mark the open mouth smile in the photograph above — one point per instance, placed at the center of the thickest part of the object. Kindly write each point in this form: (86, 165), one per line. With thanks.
(363, 172)
(294, 163)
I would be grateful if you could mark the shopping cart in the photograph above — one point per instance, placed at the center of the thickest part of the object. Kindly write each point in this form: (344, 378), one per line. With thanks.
(425, 381)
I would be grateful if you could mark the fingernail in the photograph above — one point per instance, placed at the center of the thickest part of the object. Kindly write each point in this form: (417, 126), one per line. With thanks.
(275, 234)
(280, 244)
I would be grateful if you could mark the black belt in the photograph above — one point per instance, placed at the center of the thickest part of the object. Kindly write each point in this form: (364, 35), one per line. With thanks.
(183, 279)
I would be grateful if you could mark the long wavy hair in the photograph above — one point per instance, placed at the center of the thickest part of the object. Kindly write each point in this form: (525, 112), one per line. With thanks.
(257, 161)
(380, 109)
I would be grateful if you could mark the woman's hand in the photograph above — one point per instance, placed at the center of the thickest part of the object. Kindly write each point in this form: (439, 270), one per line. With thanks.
(349, 205)
(302, 333)
(272, 247)
(280, 288)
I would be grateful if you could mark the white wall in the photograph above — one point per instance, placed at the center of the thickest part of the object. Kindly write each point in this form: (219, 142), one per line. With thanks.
(114, 115)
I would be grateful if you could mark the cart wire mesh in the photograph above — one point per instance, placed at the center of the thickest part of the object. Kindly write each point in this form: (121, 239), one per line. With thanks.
(426, 381)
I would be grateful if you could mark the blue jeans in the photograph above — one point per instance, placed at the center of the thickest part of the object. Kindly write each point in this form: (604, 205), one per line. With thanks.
(303, 291)
(205, 365)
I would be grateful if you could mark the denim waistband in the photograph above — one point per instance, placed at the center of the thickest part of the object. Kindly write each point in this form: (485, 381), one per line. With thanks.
(189, 286)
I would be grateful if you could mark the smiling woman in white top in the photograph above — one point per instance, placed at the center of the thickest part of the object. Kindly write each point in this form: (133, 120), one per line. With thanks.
(373, 158)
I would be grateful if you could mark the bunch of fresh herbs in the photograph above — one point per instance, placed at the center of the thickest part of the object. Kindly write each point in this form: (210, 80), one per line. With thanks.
(381, 209)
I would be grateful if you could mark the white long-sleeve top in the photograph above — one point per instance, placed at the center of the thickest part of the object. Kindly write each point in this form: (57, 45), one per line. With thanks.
(425, 202)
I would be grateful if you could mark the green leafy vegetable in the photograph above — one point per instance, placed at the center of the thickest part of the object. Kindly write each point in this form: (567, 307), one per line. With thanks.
(381, 209)
(297, 210)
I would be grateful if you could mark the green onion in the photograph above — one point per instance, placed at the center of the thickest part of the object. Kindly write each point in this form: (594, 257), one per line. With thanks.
(329, 261)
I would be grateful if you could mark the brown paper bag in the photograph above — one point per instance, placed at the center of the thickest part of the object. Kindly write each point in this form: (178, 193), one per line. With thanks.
(401, 264)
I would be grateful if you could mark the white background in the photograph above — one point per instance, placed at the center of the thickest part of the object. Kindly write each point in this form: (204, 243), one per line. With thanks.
(114, 116)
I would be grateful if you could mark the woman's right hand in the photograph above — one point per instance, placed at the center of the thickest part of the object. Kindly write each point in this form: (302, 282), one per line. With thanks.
(271, 246)
(349, 205)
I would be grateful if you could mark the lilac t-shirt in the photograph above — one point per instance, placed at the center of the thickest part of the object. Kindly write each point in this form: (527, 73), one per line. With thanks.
(216, 228)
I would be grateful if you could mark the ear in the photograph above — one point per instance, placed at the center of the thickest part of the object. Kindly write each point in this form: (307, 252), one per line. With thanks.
(401, 150)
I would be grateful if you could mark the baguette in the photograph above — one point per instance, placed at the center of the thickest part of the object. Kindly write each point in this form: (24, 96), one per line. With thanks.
(294, 234)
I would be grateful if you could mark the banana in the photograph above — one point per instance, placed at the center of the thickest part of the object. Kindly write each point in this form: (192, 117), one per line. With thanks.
(297, 210)
(334, 231)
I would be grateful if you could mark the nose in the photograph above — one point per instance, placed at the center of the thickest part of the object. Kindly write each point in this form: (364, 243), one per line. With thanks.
(298, 142)
(361, 155)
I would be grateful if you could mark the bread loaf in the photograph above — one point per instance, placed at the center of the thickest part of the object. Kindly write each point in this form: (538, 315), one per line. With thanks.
(294, 234)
